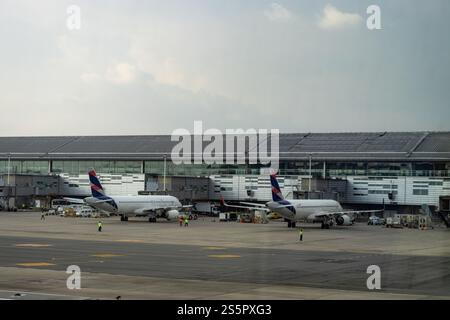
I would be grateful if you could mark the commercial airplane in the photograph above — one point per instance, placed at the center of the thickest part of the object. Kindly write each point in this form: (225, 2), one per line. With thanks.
(153, 206)
(328, 212)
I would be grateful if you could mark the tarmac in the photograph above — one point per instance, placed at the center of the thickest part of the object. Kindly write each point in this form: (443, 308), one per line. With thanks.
(217, 260)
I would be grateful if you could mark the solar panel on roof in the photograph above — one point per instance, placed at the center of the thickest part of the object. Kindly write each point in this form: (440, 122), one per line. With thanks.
(435, 142)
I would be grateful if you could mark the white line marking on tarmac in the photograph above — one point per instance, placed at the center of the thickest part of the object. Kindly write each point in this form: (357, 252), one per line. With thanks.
(224, 256)
(38, 293)
(35, 264)
(33, 245)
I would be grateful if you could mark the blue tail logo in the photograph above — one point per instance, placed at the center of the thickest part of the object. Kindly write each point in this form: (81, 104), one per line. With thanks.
(276, 191)
(97, 189)
(277, 196)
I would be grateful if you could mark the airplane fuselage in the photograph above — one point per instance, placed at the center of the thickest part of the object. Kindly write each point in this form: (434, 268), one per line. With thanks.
(296, 210)
(131, 206)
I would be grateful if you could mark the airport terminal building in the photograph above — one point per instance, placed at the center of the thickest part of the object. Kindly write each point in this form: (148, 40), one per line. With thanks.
(394, 168)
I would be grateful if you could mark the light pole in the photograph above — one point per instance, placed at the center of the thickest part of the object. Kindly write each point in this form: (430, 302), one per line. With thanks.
(164, 175)
(8, 183)
(310, 172)
(9, 168)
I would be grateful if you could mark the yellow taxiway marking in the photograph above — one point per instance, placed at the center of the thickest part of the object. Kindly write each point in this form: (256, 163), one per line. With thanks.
(35, 264)
(32, 245)
(106, 255)
(224, 256)
(214, 248)
(130, 241)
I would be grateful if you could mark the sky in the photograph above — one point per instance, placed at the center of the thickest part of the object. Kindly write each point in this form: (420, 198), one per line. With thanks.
(150, 67)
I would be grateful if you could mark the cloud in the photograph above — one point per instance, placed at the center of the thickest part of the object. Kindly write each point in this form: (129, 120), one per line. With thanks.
(333, 18)
(166, 59)
(71, 49)
(277, 12)
(121, 73)
(90, 77)
(229, 65)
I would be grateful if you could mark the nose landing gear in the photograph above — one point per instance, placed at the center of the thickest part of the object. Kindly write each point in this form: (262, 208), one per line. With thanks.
(326, 224)
(291, 224)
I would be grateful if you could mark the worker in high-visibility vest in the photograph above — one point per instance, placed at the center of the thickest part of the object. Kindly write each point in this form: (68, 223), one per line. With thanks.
(99, 225)
(300, 235)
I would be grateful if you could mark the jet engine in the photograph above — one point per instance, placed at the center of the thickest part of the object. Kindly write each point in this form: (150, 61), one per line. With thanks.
(172, 214)
(344, 220)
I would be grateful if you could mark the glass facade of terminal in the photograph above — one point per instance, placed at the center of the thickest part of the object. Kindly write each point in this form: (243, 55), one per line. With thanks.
(24, 166)
(83, 166)
(361, 168)
(318, 168)
(157, 168)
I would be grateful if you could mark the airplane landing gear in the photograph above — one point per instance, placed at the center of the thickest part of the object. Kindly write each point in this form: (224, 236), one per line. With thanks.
(123, 218)
(152, 219)
(291, 224)
(326, 225)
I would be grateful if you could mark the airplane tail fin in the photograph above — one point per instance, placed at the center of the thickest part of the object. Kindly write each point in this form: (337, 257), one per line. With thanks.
(276, 191)
(96, 187)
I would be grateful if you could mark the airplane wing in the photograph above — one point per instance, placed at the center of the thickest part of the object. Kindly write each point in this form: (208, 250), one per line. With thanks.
(81, 201)
(144, 210)
(149, 211)
(75, 200)
(341, 213)
(153, 210)
(100, 201)
(359, 211)
(251, 206)
(254, 204)
(283, 206)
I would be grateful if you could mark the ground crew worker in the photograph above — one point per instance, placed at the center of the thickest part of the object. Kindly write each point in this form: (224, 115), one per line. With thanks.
(180, 220)
(42, 216)
(186, 222)
(99, 225)
(300, 234)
